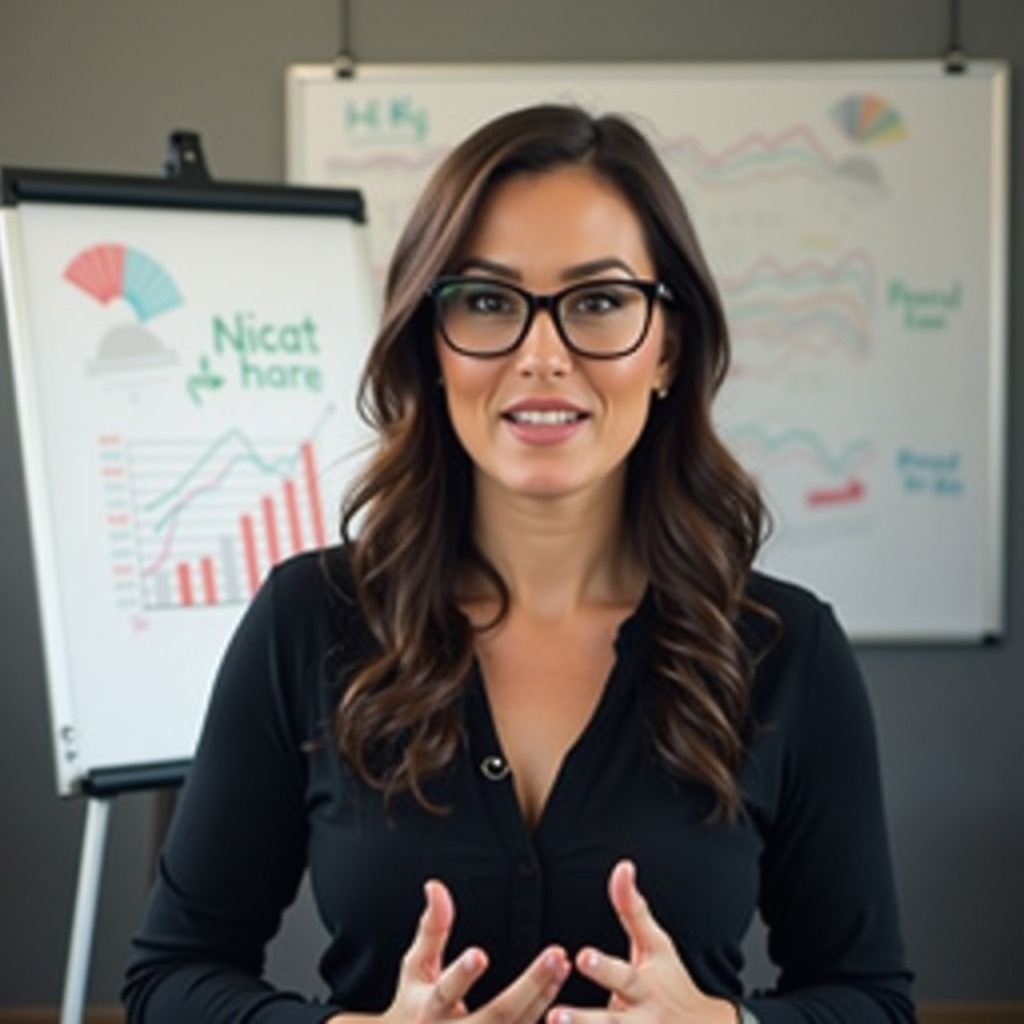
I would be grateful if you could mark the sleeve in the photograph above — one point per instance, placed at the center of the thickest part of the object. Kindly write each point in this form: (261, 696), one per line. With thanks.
(828, 897)
(236, 849)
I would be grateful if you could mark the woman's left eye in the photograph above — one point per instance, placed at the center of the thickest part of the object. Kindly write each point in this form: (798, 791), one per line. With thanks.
(593, 302)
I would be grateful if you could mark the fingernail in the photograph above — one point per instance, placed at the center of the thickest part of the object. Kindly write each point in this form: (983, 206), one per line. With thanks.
(591, 960)
(470, 960)
(564, 1017)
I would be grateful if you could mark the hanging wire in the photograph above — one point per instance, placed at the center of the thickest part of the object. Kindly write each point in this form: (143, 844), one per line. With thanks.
(956, 61)
(345, 62)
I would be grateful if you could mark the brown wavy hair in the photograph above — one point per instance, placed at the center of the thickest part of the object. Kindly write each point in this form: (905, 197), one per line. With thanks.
(694, 517)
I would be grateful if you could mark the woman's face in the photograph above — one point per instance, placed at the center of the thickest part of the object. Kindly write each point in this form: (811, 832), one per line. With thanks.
(542, 421)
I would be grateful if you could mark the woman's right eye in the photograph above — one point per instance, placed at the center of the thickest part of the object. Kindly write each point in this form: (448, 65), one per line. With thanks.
(487, 302)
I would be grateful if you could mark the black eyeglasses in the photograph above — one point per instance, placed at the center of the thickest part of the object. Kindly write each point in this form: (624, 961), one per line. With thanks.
(604, 319)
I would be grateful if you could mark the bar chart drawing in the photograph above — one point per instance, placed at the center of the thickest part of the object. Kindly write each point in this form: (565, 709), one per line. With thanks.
(194, 523)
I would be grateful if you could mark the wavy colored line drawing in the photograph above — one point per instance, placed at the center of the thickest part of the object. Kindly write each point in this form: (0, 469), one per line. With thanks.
(869, 119)
(774, 318)
(793, 151)
(112, 271)
(757, 158)
(799, 444)
(796, 147)
(810, 309)
(786, 333)
(416, 161)
(854, 267)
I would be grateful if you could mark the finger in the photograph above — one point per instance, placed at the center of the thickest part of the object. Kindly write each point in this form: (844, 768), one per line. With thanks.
(618, 977)
(645, 934)
(424, 956)
(574, 1015)
(449, 991)
(526, 999)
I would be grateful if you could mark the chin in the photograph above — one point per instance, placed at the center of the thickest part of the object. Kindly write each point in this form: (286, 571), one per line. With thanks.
(544, 487)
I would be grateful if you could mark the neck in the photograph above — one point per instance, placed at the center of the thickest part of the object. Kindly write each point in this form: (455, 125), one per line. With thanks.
(557, 555)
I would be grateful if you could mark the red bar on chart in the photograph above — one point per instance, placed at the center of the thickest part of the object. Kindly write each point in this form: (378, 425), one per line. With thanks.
(313, 493)
(291, 504)
(252, 564)
(185, 593)
(270, 529)
(209, 577)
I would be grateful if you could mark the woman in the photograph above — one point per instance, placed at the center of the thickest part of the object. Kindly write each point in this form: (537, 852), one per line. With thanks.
(543, 738)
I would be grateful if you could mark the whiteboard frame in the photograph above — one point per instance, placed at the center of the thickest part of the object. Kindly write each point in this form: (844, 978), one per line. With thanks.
(301, 77)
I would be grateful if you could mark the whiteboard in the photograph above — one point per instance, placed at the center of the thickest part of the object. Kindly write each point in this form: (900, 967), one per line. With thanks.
(855, 216)
(185, 382)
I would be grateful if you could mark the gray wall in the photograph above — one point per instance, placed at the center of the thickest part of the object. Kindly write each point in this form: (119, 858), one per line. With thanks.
(98, 85)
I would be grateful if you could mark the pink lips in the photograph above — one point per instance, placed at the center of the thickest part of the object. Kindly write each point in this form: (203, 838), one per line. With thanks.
(539, 421)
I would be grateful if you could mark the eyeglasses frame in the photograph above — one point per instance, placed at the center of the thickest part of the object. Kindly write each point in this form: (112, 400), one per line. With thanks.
(653, 291)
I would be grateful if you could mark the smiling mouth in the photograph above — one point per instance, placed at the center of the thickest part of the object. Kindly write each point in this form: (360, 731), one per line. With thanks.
(545, 417)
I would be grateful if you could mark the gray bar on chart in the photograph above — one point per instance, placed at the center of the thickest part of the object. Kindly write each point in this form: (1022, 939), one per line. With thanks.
(229, 563)
(162, 596)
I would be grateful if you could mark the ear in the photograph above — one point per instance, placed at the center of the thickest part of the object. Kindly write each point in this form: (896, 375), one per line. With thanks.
(671, 346)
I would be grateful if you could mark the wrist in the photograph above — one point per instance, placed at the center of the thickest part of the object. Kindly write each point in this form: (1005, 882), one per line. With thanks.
(716, 1010)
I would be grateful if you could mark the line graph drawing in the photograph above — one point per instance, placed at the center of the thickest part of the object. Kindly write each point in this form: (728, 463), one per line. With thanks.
(199, 522)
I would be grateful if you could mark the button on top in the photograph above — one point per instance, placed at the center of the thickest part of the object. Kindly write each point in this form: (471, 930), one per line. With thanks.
(494, 767)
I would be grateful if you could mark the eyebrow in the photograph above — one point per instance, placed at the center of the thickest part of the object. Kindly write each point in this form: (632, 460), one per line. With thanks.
(574, 273)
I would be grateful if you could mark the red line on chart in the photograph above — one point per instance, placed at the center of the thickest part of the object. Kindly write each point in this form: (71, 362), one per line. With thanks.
(854, 490)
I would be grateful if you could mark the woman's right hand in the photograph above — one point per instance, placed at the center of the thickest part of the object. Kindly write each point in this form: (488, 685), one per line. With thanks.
(431, 993)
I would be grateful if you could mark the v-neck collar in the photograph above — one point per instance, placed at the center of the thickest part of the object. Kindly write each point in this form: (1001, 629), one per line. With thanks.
(581, 760)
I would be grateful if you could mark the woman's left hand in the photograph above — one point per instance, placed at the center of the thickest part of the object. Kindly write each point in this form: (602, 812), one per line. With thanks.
(653, 986)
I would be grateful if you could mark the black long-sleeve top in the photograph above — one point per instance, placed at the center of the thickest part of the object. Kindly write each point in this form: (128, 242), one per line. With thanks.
(266, 799)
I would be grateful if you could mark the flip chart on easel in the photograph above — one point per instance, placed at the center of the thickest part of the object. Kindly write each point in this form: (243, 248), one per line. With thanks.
(185, 362)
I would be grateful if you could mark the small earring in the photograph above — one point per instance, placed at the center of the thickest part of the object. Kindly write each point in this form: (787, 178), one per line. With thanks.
(662, 392)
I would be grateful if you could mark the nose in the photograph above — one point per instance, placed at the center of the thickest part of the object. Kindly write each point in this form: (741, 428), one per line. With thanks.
(542, 352)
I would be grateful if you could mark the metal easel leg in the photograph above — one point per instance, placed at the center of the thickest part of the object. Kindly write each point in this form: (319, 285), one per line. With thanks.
(83, 925)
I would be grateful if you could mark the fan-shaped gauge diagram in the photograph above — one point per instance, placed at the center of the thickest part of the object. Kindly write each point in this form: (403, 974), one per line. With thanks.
(113, 271)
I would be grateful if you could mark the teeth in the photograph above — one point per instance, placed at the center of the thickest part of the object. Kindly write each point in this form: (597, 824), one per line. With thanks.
(546, 418)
